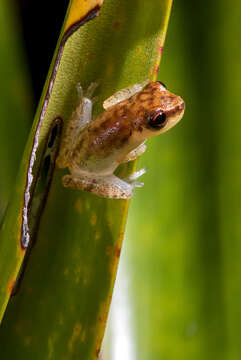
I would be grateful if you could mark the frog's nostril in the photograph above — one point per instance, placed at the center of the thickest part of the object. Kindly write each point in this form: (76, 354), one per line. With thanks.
(181, 105)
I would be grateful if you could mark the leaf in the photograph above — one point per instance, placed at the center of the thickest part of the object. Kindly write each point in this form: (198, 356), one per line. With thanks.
(64, 296)
(20, 219)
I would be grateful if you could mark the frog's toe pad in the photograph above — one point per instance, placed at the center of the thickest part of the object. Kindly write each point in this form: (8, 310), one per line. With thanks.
(138, 184)
(79, 90)
(91, 89)
(133, 177)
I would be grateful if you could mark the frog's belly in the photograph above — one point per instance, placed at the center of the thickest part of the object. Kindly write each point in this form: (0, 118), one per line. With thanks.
(94, 165)
(99, 154)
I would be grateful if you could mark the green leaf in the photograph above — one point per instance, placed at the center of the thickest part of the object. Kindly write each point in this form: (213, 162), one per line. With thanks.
(64, 295)
(22, 216)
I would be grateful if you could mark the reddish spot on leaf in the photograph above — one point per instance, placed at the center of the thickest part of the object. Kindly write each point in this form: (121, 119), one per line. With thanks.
(11, 286)
(117, 252)
(109, 251)
(156, 70)
(113, 251)
(103, 316)
(161, 49)
(97, 352)
(117, 25)
(121, 234)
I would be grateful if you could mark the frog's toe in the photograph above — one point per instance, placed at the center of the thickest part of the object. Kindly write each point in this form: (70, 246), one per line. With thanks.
(138, 184)
(79, 90)
(132, 178)
(91, 89)
(94, 100)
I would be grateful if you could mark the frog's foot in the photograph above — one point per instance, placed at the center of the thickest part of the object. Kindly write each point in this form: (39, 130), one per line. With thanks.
(79, 91)
(91, 89)
(80, 118)
(104, 186)
(133, 177)
(89, 92)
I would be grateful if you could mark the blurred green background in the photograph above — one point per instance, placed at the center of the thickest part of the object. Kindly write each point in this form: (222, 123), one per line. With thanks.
(178, 291)
(180, 270)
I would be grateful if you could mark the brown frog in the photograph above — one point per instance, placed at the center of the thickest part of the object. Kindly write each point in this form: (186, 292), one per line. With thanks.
(92, 149)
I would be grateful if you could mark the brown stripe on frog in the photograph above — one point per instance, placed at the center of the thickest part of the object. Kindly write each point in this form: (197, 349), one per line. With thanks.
(145, 96)
(106, 137)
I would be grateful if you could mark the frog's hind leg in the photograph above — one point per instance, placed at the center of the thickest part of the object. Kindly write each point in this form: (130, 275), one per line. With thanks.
(123, 94)
(80, 118)
(104, 186)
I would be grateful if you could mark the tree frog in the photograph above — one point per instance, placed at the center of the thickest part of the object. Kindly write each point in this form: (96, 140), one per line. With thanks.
(92, 149)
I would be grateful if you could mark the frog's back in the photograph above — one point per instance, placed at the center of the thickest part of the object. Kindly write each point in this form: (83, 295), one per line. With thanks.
(124, 126)
(100, 143)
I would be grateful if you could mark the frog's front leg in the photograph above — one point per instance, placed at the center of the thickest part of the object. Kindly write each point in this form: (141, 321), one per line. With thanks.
(105, 186)
(131, 179)
(134, 154)
(81, 117)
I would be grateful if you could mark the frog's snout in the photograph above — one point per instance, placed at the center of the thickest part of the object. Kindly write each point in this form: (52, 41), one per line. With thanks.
(175, 113)
(179, 110)
(181, 106)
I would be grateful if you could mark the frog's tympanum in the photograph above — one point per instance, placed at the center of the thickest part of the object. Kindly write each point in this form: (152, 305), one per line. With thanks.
(92, 149)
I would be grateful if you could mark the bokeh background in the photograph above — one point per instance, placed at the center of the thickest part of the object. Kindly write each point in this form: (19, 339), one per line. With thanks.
(178, 290)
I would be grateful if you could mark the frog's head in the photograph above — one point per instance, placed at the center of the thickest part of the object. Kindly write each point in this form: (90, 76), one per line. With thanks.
(162, 109)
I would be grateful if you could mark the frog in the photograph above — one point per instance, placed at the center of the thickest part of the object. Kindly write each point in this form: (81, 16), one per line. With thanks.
(93, 148)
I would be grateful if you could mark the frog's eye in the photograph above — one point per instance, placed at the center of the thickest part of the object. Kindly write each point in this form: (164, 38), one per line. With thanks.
(158, 120)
